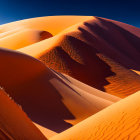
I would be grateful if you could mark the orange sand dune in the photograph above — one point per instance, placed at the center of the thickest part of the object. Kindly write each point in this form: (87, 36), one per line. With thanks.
(40, 60)
(47, 132)
(77, 84)
(52, 24)
(10, 32)
(120, 121)
(14, 124)
(22, 38)
(96, 51)
(50, 99)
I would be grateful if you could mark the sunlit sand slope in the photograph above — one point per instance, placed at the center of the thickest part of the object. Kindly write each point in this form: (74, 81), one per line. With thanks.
(52, 24)
(22, 38)
(120, 121)
(14, 124)
(96, 51)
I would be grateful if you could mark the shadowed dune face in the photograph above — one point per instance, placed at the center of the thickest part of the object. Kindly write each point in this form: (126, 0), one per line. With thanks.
(47, 97)
(71, 58)
(3, 136)
(31, 89)
(88, 64)
(45, 35)
(43, 103)
(112, 33)
(118, 121)
(98, 53)
(14, 124)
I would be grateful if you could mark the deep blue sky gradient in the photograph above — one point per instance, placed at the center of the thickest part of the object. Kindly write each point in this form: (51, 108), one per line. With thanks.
(127, 11)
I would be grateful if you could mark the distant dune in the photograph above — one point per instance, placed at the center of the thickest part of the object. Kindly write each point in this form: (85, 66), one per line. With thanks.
(52, 24)
(65, 72)
(22, 38)
(14, 124)
(119, 121)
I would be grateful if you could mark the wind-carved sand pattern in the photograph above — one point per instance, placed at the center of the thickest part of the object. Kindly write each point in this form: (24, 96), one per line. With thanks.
(77, 47)
(120, 121)
(76, 77)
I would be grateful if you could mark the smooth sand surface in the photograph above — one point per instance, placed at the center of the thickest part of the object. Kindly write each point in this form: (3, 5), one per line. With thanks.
(47, 132)
(52, 24)
(22, 38)
(119, 121)
(14, 123)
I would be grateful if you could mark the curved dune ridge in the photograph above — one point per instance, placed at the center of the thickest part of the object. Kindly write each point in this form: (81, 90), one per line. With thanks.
(24, 37)
(66, 72)
(98, 52)
(14, 124)
(52, 24)
(50, 99)
(119, 121)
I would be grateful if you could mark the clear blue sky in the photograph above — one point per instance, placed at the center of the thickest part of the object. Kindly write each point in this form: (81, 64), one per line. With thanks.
(127, 11)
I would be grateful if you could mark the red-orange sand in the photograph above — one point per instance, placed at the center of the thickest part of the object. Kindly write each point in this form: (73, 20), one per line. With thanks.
(50, 99)
(96, 51)
(64, 69)
(14, 124)
(120, 121)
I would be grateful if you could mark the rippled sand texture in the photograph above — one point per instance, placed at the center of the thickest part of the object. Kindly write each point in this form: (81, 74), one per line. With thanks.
(120, 121)
(76, 77)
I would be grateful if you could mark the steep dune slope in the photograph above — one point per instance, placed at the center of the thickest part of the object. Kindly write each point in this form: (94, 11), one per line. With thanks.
(47, 98)
(14, 124)
(119, 121)
(98, 52)
(77, 84)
